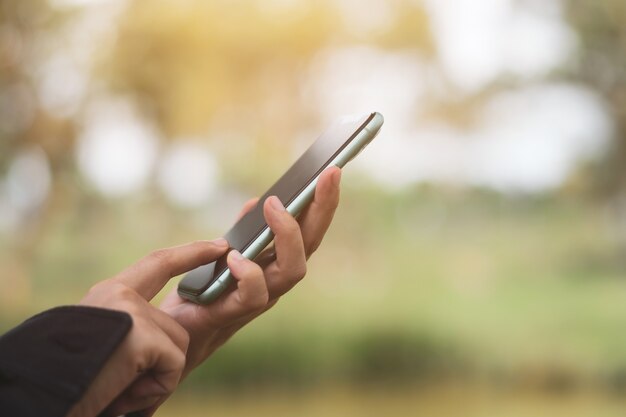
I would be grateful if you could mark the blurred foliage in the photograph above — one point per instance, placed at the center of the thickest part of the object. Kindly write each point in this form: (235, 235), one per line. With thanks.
(198, 64)
(23, 123)
(411, 288)
(601, 26)
(25, 42)
(238, 70)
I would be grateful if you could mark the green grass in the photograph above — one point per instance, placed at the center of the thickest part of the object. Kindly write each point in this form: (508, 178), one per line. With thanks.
(439, 401)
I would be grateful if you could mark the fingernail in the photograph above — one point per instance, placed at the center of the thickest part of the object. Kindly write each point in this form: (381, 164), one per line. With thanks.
(236, 255)
(337, 177)
(220, 242)
(276, 204)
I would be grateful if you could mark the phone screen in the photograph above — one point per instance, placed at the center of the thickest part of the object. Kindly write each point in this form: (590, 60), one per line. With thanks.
(312, 162)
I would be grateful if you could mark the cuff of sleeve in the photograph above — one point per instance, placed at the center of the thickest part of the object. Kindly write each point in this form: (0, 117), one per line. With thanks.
(60, 351)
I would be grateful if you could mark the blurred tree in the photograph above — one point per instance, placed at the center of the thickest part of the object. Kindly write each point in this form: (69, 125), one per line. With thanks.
(202, 68)
(601, 26)
(26, 27)
(27, 30)
(196, 65)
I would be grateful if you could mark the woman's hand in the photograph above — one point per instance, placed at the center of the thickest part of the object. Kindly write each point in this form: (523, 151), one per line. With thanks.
(258, 288)
(147, 366)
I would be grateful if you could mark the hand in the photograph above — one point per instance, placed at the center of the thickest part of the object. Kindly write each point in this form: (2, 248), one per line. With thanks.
(147, 366)
(258, 288)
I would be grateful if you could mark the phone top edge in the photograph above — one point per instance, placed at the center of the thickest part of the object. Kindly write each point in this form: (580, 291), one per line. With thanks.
(371, 123)
(376, 122)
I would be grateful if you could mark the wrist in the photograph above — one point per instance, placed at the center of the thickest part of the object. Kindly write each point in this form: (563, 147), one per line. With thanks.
(203, 345)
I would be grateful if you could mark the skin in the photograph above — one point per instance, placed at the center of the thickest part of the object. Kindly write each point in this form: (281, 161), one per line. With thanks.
(166, 343)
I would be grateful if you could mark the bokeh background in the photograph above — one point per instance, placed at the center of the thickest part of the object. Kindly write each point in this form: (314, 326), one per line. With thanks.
(477, 264)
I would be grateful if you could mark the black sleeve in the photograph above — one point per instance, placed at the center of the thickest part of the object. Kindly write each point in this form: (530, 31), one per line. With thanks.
(47, 362)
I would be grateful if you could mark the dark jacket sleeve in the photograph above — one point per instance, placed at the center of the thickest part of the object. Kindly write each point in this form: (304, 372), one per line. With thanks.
(47, 362)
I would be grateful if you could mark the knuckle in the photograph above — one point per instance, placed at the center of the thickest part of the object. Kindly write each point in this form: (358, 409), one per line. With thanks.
(180, 360)
(184, 338)
(299, 272)
(286, 223)
(262, 300)
(333, 204)
(112, 288)
(115, 295)
(199, 244)
(292, 226)
(99, 286)
(161, 256)
(258, 303)
(136, 313)
(122, 292)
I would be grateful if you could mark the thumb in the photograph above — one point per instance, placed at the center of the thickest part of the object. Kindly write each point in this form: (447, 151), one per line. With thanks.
(150, 274)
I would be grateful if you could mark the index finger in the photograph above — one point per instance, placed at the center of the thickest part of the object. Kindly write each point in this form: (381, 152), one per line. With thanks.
(150, 274)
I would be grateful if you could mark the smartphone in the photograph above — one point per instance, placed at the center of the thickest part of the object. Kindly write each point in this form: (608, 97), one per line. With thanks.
(295, 189)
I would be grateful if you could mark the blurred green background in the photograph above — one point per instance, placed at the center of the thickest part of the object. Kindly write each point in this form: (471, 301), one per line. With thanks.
(477, 263)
